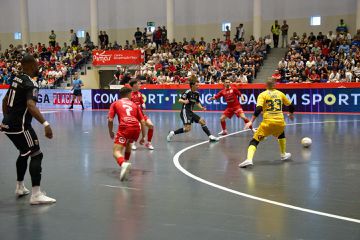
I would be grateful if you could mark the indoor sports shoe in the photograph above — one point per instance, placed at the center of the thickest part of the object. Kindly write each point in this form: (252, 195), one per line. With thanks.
(41, 198)
(149, 146)
(133, 146)
(246, 163)
(286, 156)
(254, 130)
(170, 136)
(223, 132)
(21, 191)
(125, 168)
(213, 138)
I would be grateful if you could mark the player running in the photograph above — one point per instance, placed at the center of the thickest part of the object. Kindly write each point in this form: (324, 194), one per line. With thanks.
(129, 117)
(270, 102)
(137, 98)
(233, 105)
(189, 99)
(19, 107)
(77, 84)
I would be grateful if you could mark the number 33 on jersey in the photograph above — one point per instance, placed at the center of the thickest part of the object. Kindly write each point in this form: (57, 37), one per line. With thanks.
(271, 102)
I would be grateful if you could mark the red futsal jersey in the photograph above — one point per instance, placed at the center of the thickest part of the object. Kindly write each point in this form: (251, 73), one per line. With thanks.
(137, 98)
(129, 114)
(231, 97)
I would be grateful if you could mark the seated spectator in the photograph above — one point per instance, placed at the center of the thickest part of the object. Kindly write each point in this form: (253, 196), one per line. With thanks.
(334, 76)
(277, 76)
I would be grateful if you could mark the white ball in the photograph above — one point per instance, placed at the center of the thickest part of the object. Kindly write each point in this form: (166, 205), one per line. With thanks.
(306, 142)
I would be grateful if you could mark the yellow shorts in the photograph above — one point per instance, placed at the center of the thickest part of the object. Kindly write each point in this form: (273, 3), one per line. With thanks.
(267, 128)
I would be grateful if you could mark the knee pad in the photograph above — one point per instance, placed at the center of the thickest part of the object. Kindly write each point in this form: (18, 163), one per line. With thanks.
(254, 142)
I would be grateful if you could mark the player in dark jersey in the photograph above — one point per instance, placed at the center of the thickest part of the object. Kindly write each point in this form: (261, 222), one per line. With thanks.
(19, 107)
(189, 99)
(129, 116)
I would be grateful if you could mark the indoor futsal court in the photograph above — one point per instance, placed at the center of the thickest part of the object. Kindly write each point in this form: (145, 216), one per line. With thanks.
(180, 120)
(190, 188)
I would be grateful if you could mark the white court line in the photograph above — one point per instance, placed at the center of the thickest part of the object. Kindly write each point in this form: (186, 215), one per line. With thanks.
(120, 187)
(184, 171)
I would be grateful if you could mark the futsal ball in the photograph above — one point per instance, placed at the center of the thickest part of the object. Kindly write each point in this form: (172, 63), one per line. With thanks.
(306, 142)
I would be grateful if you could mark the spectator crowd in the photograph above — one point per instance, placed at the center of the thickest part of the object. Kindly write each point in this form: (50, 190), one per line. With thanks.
(56, 63)
(334, 57)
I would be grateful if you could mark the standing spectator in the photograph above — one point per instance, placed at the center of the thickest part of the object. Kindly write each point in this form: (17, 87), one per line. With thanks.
(342, 27)
(163, 35)
(52, 38)
(101, 40)
(284, 34)
(240, 32)
(138, 36)
(158, 37)
(106, 40)
(275, 30)
(74, 40)
(87, 41)
(145, 36)
(227, 33)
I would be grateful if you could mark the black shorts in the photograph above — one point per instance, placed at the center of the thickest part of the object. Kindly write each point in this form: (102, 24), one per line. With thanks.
(26, 142)
(188, 117)
(77, 92)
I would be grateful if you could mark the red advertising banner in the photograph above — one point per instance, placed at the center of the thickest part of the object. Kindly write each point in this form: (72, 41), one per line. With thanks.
(117, 57)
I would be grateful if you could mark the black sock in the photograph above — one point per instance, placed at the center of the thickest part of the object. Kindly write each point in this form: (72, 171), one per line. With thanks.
(82, 105)
(35, 169)
(21, 166)
(72, 104)
(179, 131)
(206, 130)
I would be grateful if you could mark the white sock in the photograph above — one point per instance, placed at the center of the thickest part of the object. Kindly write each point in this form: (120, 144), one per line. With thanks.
(20, 184)
(35, 190)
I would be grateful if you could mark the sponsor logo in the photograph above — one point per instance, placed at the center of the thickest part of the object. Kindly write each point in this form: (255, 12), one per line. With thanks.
(102, 57)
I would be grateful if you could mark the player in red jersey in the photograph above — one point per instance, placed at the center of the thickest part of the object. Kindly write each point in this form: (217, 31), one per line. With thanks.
(137, 98)
(233, 105)
(129, 117)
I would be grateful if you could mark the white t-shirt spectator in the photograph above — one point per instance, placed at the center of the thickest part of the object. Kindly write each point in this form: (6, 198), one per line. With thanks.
(242, 79)
(334, 77)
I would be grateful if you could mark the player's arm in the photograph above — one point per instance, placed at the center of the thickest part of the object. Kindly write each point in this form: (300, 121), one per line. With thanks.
(216, 96)
(35, 112)
(238, 93)
(257, 112)
(291, 106)
(4, 103)
(184, 99)
(111, 116)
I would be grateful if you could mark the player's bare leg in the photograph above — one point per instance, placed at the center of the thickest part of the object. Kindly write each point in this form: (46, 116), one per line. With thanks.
(223, 125)
(150, 134)
(185, 129)
(246, 120)
(212, 138)
(120, 159)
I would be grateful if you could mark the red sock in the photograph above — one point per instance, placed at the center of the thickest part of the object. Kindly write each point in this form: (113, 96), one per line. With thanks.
(150, 134)
(127, 156)
(223, 125)
(120, 160)
(246, 120)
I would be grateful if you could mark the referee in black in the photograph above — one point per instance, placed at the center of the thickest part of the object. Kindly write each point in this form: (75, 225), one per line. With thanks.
(19, 107)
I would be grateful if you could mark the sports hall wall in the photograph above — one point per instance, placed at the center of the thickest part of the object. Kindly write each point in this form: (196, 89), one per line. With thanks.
(194, 18)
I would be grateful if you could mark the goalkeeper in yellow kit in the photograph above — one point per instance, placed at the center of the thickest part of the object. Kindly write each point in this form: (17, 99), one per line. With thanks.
(270, 102)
